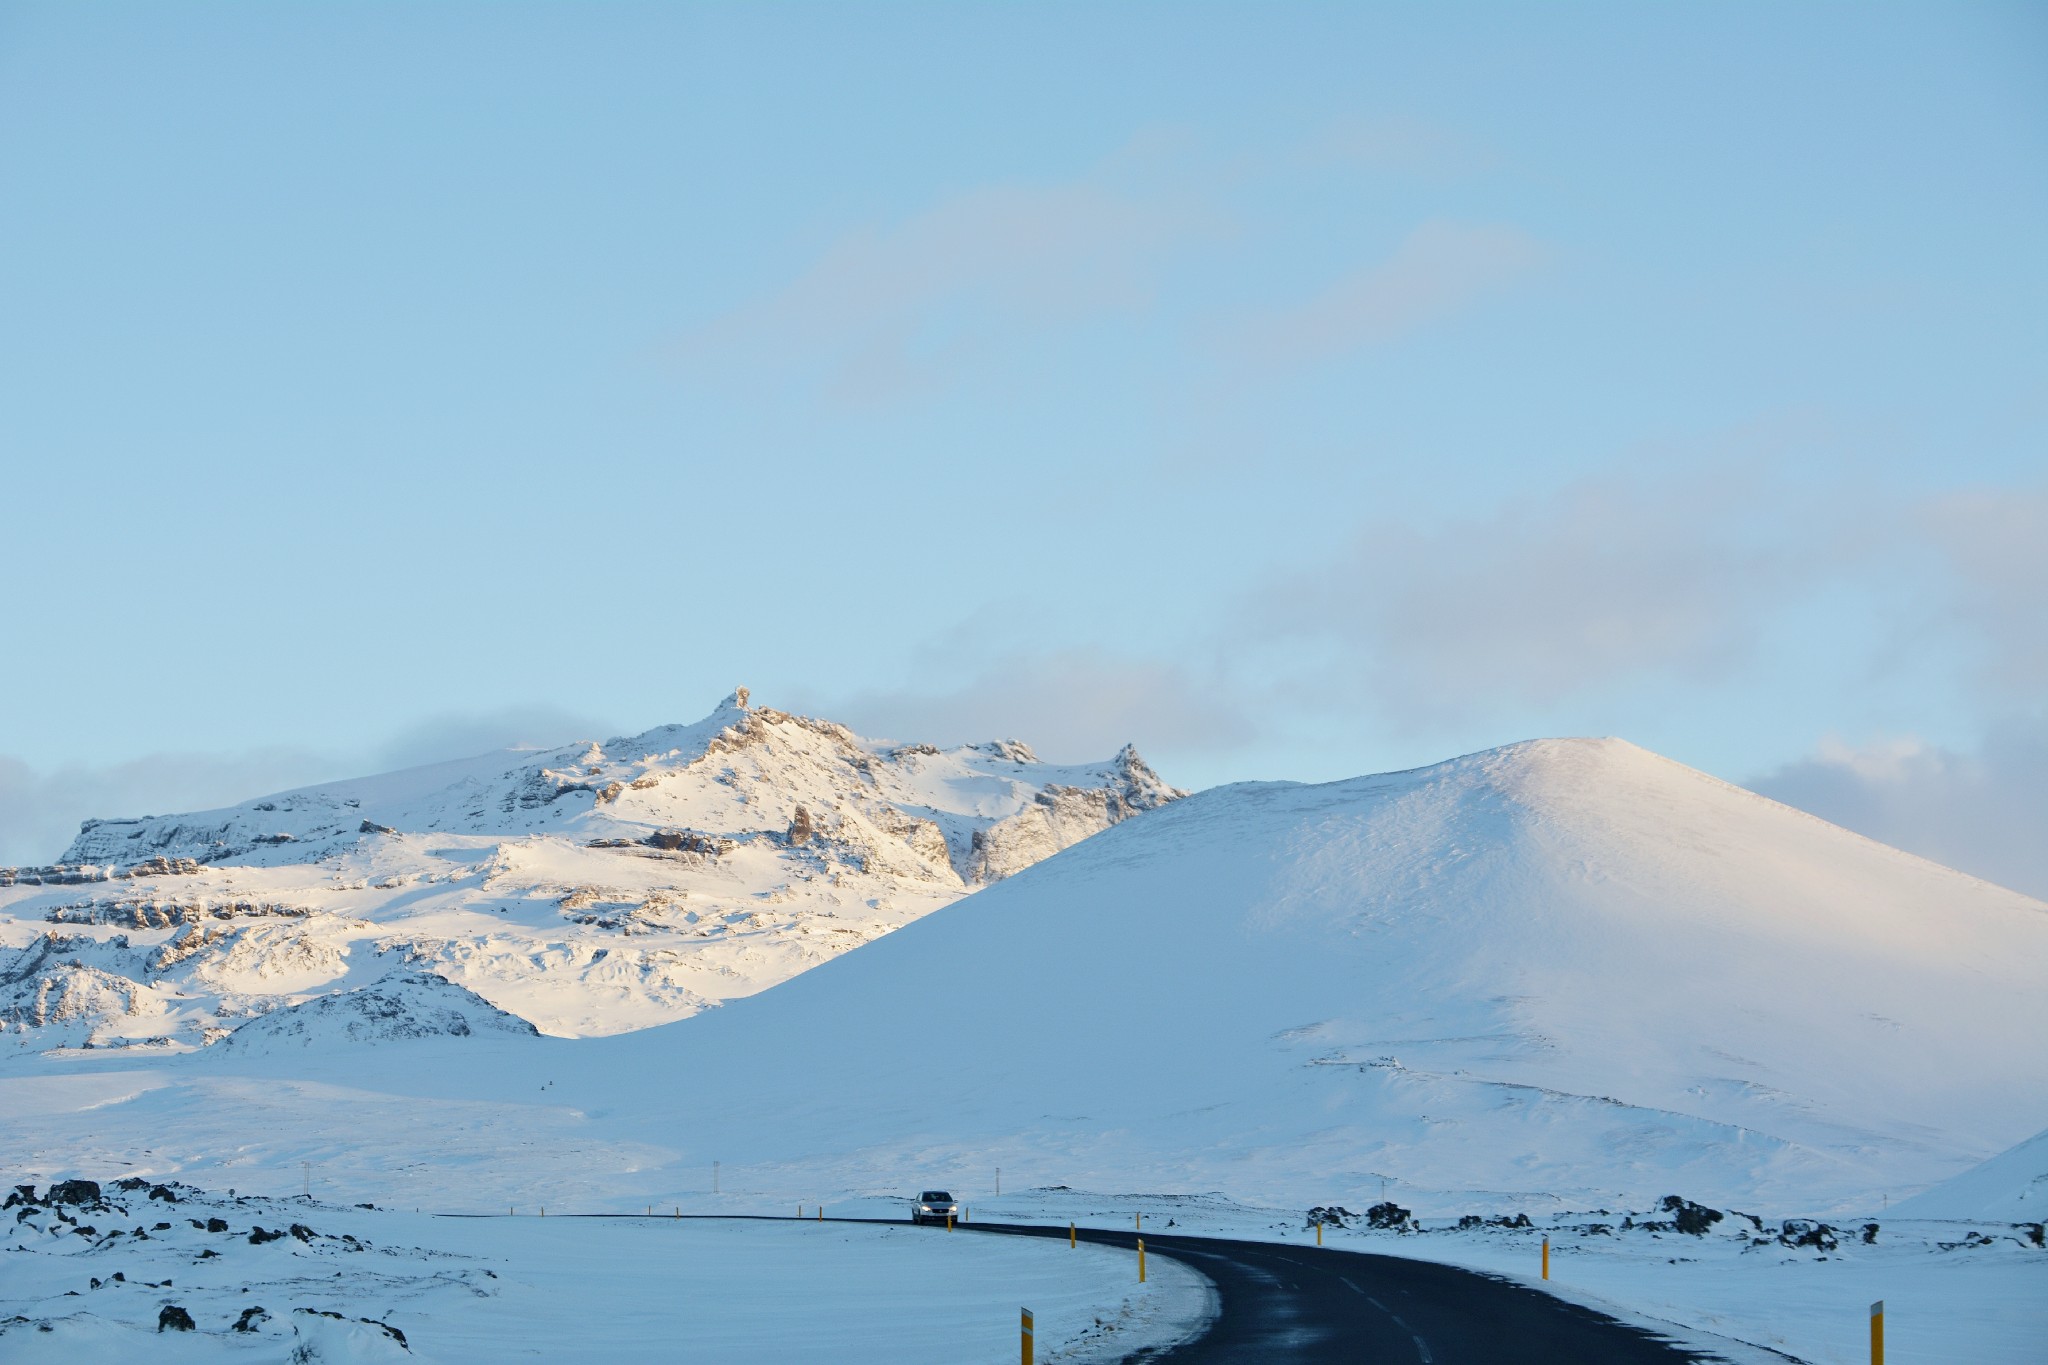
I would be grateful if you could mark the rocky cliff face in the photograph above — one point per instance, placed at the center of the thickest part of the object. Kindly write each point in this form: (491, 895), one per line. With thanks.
(596, 888)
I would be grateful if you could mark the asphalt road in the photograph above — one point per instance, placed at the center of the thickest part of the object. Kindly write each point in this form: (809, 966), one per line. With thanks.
(1316, 1304)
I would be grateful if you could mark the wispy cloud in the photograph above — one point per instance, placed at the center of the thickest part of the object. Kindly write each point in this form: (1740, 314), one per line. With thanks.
(1070, 705)
(1440, 269)
(40, 811)
(892, 310)
(1980, 811)
(1398, 144)
(460, 735)
(1607, 579)
(1995, 544)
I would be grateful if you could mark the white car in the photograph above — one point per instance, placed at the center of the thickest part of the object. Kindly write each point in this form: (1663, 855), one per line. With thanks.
(934, 1206)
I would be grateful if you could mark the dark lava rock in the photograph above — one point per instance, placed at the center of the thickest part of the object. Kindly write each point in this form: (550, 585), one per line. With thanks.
(216, 1225)
(1387, 1215)
(74, 1192)
(1330, 1215)
(175, 1318)
(1688, 1217)
(303, 1233)
(1800, 1232)
(257, 1236)
(250, 1318)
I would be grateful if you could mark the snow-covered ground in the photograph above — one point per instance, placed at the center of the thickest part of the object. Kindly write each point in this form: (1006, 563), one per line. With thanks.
(346, 1284)
(1954, 1291)
(593, 889)
(1558, 977)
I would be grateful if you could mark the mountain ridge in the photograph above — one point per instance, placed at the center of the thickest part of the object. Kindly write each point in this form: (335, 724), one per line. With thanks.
(585, 888)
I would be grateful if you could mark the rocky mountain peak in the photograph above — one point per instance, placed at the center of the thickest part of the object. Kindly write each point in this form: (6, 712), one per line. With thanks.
(597, 887)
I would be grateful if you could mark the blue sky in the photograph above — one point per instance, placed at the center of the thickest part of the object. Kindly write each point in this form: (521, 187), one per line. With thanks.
(1295, 390)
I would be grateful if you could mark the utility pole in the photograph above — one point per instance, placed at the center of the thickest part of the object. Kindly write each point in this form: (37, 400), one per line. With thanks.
(999, 1180)
(714, 1177)
(307, 1167)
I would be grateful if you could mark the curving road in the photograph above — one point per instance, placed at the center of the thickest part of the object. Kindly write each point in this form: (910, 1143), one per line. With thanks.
(1316, 1304)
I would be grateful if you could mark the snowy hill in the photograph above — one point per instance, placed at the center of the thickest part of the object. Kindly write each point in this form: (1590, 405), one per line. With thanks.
(589, 889)
(1568, 967)
(2010, 1187)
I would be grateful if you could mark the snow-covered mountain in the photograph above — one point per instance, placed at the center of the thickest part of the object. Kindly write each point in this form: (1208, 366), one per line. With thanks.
(1567, 973)
(589, 889)
(1569, 967)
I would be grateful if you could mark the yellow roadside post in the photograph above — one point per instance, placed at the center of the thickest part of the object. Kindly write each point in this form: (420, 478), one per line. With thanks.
(1137, 1222)
(1319, 1232)
(949, 1222)
(1141, 1260)
(1071, 1242)
(1027, 1335)
(1877, 1333)
(543, 1210)
(1546, 1258)
(821, 1213)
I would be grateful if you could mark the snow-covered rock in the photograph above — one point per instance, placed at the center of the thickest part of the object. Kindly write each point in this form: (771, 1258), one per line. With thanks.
(595, 888)
(403, 1005)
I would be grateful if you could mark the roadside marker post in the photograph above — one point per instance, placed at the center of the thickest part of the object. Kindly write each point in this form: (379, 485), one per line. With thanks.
(1546, 1258)
(1877, 1333)
(1141, 1260)
(1319, 1232)
(821, 1213)
(1026, 1331)
(949, 1222)
(1071, 1240)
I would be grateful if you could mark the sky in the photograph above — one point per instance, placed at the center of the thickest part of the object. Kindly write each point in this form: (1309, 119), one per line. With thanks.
(1294, 390)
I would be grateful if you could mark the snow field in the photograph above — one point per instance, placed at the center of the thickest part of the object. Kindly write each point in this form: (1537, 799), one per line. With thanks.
(565, 1288)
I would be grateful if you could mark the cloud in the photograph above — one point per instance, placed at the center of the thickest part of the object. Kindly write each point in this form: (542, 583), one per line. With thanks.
(889, 311)
(1607, 579)
(1397, 144)
(1981, 811)
(1070, 705)
(40, 811)
(1440, 269)
(461, 735)
(1995, 545)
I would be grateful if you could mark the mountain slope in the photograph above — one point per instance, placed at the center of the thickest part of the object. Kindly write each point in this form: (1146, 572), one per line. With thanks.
(588, 889)
(1565, 966)
(2010, 1187)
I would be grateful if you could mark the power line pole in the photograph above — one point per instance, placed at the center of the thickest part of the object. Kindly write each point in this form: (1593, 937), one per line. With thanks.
(714, 1177)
